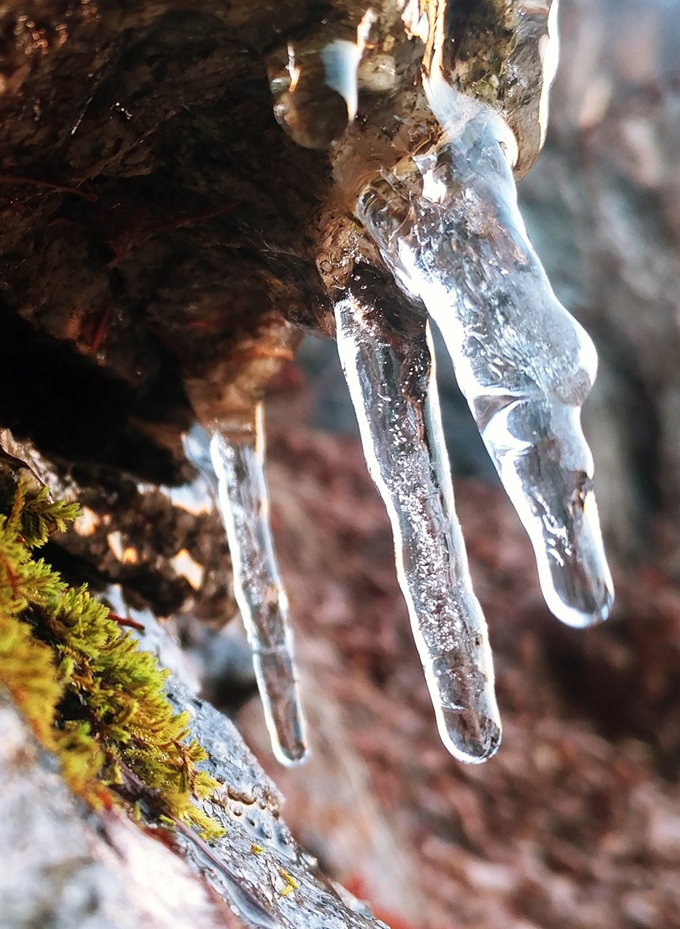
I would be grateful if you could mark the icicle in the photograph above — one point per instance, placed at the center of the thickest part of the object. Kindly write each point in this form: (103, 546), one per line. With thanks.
(234, 465)
(450, 229)
(316, 93)
(316, 86)
(391, 378)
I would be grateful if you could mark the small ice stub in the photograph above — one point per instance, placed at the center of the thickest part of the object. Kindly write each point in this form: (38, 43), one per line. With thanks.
(316, 94)
(389, 368)
(233, 463)
(448, 225)
(316, 84)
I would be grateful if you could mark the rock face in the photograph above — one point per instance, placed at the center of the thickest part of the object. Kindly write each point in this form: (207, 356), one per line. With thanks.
(133, 253)
(65, 866)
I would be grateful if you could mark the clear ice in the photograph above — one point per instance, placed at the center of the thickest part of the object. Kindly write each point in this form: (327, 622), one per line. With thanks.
(316, 91)
(448, 226)
(316, 94)
(233, 463)
(389, 369)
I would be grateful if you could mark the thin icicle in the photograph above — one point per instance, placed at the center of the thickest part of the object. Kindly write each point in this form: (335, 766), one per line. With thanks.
(234, 465)
(450, 229)
(391, 378)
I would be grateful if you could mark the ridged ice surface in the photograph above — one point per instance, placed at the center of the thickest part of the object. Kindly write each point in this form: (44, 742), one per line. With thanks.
(392, 383)
(448, 226)
(235, 468)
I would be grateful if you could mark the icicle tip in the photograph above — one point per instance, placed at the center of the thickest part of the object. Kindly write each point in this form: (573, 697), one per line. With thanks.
(468, 736)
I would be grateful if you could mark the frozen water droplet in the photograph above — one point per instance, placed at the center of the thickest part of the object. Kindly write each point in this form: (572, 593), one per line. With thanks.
(391, 379)
(471, 736)
(340, 61)
(237, 464)
(450, 229)
(316, 92)
(265, 832)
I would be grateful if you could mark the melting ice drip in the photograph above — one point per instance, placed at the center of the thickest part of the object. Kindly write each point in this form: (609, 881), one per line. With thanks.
(449, 228)
(234, 467)
(391, 378)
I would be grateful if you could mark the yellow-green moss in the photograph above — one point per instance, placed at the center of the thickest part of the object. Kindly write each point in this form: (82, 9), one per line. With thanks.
(89, 692)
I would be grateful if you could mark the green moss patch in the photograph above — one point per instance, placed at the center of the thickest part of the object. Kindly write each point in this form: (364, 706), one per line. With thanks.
(91, 695)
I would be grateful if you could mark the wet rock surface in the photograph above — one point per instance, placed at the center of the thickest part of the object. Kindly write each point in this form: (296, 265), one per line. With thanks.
(64, 866)
(71, 867)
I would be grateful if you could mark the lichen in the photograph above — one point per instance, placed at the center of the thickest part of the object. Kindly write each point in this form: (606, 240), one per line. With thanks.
(91, 695)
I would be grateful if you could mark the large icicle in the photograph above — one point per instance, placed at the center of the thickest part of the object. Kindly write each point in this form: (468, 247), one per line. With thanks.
(449, 227)
(233, 462)
(391, 378)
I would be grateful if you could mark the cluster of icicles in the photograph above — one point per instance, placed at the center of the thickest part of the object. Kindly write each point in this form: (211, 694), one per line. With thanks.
(448, 227)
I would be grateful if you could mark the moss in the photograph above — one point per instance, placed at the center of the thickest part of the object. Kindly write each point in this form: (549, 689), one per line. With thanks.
(482, 36)
(89, 692)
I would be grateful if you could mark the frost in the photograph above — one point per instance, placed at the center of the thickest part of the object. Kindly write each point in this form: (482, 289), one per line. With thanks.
(234, 467)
